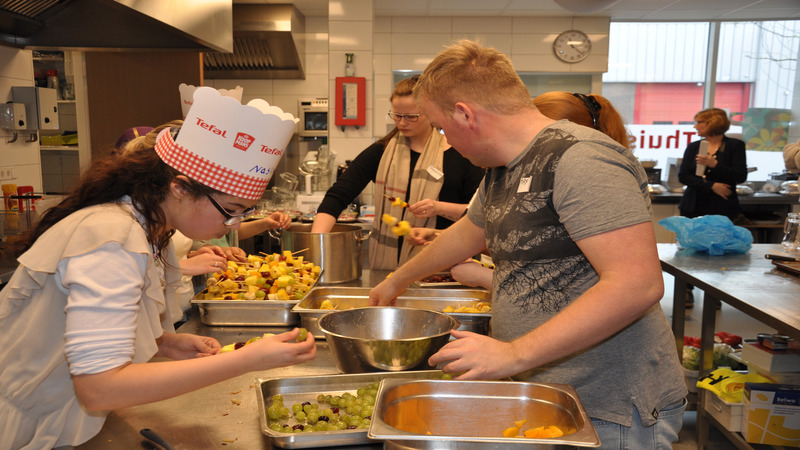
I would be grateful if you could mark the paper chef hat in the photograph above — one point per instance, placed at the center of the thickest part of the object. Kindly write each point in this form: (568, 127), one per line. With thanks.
(227, 146)
(187, 95)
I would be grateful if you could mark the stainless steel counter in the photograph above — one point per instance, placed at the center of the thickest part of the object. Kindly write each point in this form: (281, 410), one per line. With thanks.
(758, 198)
(748, 282)
(224, 415)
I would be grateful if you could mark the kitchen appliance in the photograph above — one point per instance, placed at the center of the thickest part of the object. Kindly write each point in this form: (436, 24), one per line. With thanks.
(313, 115)
(673, 165)
(338, 252)
(653, 175)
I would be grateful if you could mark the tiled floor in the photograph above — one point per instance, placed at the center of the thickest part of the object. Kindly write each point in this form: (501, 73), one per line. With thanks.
(730, 320)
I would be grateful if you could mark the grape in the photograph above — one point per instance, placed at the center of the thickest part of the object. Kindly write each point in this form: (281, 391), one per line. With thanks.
(275, 426)
(301, 338)
(298, 427)
(324, 418)
(312, 417)
(284, 411)
(273, 412)
(297, 407)
(287, 429)
(321, 398)
(300, 415)
(340, 425)
(327, 411)
(277, 398)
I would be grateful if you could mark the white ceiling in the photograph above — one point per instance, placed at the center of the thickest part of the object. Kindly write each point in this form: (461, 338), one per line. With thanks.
(621, 10)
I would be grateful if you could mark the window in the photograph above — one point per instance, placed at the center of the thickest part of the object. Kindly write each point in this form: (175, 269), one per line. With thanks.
(657, 80)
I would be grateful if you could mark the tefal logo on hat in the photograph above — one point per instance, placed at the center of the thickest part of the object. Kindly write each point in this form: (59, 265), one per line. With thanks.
(221, 143)
(243, 141)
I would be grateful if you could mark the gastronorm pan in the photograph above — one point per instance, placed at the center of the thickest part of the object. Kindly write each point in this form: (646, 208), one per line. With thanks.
(445, 414)
(430, 299)
(269, 313)
(247, 312)
(302, 389)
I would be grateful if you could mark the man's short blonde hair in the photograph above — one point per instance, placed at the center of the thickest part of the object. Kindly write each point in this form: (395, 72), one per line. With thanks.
(468, 71)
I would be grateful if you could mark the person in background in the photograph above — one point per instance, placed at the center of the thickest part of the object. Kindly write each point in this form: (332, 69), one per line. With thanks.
(89, 304)
(593, 111)
(577, 280)
(791, 156)
(714, 191)
(412, 163)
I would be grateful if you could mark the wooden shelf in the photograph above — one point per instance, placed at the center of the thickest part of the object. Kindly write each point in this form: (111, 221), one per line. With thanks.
(59, 147)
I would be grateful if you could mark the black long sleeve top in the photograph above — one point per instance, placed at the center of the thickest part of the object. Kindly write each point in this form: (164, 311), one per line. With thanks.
(461, 179)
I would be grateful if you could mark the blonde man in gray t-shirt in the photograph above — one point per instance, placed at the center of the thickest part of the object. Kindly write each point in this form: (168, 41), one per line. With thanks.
(564, 211)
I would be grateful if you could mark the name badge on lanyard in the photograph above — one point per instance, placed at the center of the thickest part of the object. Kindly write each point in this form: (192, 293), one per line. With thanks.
(524, 185)
(435, 173)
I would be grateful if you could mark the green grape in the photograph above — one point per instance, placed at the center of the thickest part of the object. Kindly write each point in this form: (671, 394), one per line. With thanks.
(340, 425)
(277, 398)
(369, 400)
(297, 407)
(328, 398)
(364, 423)
(312, 417)
(308, 429)
(321, 426)
(303, 335)
(347, 395)
(447, 376)
(300, 415)
(335, 400)
(308, 408)
(361, 391)
(297, 430)
(275, 426)
(372, 392)
(333, 417)
(321, 398)
(274, 412)
(284, 411)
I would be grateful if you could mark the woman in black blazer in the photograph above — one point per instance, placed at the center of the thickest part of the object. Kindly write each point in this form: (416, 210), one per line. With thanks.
(726, 165)
(713, 192)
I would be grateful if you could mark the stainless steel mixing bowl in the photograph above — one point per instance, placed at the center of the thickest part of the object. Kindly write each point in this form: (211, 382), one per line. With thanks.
(385, 338)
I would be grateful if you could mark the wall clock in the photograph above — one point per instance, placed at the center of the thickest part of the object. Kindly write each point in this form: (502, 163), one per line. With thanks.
(572, 46)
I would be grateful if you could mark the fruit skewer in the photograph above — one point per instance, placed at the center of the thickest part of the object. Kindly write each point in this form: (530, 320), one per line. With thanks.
(396, 201)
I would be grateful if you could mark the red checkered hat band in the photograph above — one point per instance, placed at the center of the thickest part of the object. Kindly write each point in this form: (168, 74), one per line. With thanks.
(208, 172)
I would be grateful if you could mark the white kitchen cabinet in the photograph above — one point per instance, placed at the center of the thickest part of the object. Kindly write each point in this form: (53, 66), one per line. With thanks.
(62, 161)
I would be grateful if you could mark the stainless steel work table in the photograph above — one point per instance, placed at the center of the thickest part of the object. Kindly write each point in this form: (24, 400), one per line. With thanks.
(748, 282)
(223, 415)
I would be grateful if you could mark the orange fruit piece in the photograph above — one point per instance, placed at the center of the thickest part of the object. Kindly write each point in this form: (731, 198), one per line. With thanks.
(510, 432)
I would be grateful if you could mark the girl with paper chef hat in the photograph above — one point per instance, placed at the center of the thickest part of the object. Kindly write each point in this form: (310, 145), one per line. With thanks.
(88, 306)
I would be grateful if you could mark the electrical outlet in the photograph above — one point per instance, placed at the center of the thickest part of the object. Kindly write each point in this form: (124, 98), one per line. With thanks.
(6, 173)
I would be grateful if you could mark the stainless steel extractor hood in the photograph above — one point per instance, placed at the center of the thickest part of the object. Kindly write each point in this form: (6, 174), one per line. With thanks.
(117, 24)
(268, 43)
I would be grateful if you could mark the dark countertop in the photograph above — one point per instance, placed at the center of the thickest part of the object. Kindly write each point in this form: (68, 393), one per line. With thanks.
(756, 199)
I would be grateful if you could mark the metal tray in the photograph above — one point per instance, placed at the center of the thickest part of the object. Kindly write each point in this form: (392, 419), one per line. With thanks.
(298, 390)
(430, 299)
(270, 313)
(437, 284)
(441, 414)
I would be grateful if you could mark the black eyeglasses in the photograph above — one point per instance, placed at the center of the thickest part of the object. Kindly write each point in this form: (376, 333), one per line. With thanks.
(408, 117)
(231, 219)
(592, 105)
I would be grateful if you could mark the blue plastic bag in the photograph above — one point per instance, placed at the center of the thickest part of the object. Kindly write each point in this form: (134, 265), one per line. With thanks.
(716, 235)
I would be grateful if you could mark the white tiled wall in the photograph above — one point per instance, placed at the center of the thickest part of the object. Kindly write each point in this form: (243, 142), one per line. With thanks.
(16, 69)
(382, 45)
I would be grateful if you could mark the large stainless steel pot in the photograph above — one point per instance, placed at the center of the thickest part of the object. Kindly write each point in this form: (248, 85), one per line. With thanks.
(338, 252)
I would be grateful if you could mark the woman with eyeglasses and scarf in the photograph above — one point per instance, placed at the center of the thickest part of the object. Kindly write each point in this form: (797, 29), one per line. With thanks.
(413, 163)
(89, 305)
